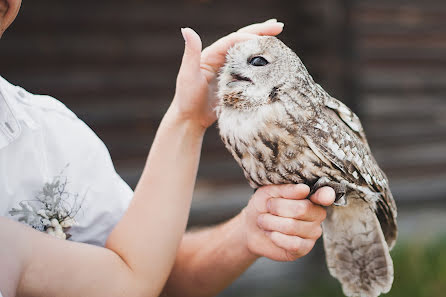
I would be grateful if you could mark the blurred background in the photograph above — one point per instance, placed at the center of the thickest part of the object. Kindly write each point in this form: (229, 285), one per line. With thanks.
(114, 63)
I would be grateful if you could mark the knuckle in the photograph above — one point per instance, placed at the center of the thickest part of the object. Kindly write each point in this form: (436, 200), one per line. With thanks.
(290, 256)
(257, 202)
(304, 247)
(304, 252)
(301, 208)
(268, 190)
(274, 236)
(323, 214)
(269, 222)
(289, 187)
(317, 231)
(259, 192)
(261, 221)
(308, 247)
(296, 226)
(271, 205)
(288, 226)
(296, 245)
(271, 187)
(254, 204)
(286, 190)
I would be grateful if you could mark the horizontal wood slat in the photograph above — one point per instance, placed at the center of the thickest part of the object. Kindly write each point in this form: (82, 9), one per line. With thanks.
(115, 64)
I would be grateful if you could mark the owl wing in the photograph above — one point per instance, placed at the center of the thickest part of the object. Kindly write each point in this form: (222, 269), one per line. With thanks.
(347, 116)
(334, 141)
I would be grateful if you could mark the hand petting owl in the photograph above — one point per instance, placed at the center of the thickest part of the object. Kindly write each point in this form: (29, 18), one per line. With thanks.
(283, 128)
(195, 97)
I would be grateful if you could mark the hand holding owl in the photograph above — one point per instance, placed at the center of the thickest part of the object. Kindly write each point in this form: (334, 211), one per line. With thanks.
(281, 224)
(195, 97)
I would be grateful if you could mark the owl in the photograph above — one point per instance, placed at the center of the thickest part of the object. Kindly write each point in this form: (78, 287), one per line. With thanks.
(282, 127)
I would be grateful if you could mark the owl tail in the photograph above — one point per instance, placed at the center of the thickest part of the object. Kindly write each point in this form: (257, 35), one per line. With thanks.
(356, 251)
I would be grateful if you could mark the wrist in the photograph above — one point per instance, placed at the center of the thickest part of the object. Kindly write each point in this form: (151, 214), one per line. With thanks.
(242, 226)
(175, 118)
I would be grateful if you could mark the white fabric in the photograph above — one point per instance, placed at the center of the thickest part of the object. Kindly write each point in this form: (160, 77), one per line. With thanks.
(42, 141)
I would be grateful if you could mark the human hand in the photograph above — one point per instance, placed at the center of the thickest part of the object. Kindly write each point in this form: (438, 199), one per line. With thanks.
(281, 224)
(195, 96)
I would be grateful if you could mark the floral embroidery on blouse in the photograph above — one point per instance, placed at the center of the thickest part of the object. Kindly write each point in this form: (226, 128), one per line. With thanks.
(53, 209)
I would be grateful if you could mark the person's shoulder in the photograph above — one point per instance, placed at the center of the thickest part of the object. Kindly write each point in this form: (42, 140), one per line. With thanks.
(46, 103)
(23, 99)
(59, 123)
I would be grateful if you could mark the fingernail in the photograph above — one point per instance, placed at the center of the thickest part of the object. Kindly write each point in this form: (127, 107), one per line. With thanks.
(271, 21)
(280, 24)
(184, 35)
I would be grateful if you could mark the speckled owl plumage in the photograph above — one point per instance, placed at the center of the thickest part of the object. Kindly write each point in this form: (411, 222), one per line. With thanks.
(282, 127)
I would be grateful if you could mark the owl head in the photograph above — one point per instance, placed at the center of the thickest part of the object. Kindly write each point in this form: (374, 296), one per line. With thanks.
(257, 71)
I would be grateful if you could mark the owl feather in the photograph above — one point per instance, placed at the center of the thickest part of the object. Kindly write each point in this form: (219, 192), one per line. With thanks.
(282, 127)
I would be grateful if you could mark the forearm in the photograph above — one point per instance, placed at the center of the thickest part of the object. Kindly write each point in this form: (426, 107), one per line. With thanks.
(209, 260)
(36, 264)
(141, 249)
(148, 235)
(11, 258)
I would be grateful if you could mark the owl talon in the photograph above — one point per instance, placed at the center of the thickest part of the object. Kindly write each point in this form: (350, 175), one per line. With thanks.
(339, 188)
(340, 201)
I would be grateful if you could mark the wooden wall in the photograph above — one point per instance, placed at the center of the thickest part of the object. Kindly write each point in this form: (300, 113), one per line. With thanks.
(114, 63)
(400, 54)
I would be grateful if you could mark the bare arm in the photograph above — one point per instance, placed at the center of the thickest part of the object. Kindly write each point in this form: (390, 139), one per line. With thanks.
(278, 223)
(138, 249)
(141, 250)
(209, 260)
(43, 265)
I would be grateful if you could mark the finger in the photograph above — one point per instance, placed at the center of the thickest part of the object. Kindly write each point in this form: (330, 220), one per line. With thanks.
(249, 32)
(297, 209)
(267, 28)
(289, 191)
(213, 57)
(192, 52)
(324, 196)
(292, 244)
(303, 229)
(10, 14)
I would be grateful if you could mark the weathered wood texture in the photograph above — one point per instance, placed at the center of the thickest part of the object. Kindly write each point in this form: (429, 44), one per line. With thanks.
(401, 65)
(114, 63)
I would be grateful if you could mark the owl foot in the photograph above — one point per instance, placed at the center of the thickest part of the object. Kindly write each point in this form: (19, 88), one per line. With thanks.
(339, 188)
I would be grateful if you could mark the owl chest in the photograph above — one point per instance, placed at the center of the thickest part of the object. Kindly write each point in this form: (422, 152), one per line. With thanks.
(270, 148)
(274, 156)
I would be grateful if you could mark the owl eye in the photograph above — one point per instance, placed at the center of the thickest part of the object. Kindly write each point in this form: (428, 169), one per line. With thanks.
(258, 61)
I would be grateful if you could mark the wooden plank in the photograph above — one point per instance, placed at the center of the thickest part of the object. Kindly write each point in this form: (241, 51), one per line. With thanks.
(115, 67)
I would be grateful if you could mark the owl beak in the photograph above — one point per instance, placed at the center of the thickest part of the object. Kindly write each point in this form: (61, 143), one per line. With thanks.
(238, 77)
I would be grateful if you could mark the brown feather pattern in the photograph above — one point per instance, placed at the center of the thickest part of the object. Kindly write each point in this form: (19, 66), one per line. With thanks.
(282, 127)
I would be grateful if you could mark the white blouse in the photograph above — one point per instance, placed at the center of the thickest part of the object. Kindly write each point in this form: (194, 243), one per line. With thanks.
(56, 175)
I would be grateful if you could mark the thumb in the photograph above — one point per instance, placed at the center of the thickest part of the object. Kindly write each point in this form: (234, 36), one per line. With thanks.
(190, 64)
(324, 196)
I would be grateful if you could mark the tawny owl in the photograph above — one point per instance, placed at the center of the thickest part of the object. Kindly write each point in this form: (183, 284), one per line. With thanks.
(282, 127)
